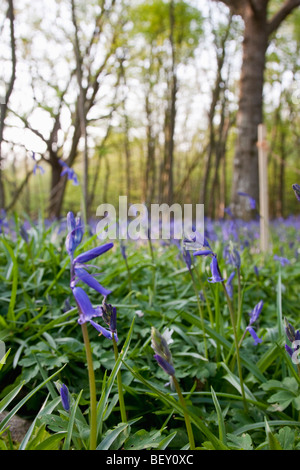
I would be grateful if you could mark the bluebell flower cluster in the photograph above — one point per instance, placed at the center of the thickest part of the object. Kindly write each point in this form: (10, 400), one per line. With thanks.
(79, 273)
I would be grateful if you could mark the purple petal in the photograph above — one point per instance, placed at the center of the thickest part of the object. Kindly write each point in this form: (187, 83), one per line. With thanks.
(289, 350)
(215, 271)
(168, 368)
(103, 331)
(93, 253)
(203, 253)
(256, 312)
(257, 340)
(85, 307)
(64, 394)
(88, 279)
(71, 223)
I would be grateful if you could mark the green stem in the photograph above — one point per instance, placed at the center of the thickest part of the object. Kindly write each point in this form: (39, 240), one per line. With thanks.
(239, 317)
(92, 384)
(236, 347)
(186, 416)
(120, 387)
(207, 303)
(200, 312)
(129, 275)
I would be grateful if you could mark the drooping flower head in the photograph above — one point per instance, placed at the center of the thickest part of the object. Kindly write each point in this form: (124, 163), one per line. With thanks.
(162, 353)
(214, 267)
(87, 312)
(215, 271)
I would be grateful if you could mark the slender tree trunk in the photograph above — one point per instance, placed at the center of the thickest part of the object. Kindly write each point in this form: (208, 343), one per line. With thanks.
(245, 175)
(170, 119)
(4, 106)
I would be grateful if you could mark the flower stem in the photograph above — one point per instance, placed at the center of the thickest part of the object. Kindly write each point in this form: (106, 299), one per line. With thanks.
(186, 416)
(232, 318)
(120, 387)
(92, 384)
(239, 317)
(200, 312)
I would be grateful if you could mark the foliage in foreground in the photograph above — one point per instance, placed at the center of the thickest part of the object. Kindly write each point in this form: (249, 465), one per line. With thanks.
(152, 286)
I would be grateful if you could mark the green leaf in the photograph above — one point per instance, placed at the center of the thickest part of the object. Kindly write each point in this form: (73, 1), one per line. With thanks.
(198, 422)
(68, 439)
(112, 435)
(25, 399)
(272, 440)
(222, 430)
(243, 442)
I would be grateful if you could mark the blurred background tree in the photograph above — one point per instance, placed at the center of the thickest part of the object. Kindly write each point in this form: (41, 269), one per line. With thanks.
(156, 99)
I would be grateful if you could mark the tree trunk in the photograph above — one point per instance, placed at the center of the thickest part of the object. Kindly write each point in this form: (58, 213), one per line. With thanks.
(57, 189)
(245, 174)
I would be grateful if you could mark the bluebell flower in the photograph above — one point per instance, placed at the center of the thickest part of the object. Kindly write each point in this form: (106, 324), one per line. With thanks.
(215, 271)
(283, 261)
(87, 312)
(229, 286)
(65, 399)
(256, 339)
(296, 188)
(204, 253)
(162, 353)
(256, 312)
(78, 266)
(250, 199)
(93, 253)
(69, 172)
(85, 308)
(36, 166)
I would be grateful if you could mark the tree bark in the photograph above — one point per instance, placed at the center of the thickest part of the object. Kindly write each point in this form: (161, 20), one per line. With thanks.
(4, 106)
(249, 116)
(258, 30)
